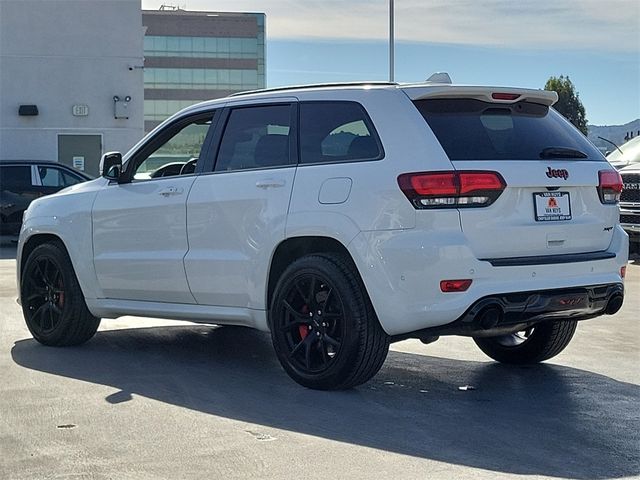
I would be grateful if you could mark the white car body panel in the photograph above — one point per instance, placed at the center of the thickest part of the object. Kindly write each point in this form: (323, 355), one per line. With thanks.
(66, 215)
(140, 240)
(403, 283)
(236, 219)
(512, 214)
(245, 317)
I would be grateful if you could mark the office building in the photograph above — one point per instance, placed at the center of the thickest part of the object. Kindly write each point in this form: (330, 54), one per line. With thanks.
(196, 56)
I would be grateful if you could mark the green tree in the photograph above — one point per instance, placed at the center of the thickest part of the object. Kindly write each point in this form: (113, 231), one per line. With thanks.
(569, 103)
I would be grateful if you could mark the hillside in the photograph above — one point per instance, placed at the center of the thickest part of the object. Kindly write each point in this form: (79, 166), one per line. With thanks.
(615, 133)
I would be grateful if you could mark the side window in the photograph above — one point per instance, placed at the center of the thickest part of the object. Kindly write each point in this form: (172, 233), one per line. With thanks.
(256, 137)
(15, 179)
(50, 177)
(70, 179)
(336, 132)
(56, 177)
(177, 153)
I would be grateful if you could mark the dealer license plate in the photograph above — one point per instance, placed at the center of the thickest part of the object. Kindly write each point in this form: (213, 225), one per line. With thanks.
(552, 206)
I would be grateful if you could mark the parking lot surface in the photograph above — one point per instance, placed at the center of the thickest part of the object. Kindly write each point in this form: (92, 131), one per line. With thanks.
(167, 400)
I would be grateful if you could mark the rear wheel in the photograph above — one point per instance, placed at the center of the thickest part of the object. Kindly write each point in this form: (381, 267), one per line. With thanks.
(324, 330)
(536, 344)
(52, 302)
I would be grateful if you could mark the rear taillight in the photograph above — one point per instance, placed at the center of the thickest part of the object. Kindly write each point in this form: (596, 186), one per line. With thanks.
(451, 189)
(609, 186)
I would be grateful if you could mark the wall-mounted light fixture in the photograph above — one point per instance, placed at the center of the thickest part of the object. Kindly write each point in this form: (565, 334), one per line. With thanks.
(28, 110)
(121, 106)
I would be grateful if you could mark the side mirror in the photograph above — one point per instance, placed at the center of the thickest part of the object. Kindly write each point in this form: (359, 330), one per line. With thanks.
(111, 165)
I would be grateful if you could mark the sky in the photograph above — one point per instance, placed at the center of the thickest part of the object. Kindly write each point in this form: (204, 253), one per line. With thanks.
(485, 42)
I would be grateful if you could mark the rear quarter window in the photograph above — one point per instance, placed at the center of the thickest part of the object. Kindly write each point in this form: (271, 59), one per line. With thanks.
(337, 132)
(470, 129)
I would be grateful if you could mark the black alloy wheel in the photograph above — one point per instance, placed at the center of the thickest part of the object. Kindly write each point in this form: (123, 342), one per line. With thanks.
(53, 305)
(323, 327)
(44, 294)
(541, 342)
(312, 323)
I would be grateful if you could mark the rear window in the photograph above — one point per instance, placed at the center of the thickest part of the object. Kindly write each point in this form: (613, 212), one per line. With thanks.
(471, 129)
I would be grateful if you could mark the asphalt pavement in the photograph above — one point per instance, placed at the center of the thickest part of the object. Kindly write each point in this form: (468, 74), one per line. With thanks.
(154, 399)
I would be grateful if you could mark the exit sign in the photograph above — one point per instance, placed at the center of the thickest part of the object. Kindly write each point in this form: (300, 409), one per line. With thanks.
(80, 110)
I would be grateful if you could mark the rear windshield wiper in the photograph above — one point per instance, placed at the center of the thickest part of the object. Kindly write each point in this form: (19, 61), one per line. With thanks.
(562, 152)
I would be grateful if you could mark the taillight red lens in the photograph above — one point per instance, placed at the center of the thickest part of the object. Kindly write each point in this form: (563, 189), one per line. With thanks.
(434, 184)
(451, 189)
(609, 186)
(472, 181)
(455, 285)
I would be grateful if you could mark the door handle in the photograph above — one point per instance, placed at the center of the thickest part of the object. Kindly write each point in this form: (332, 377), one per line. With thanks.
(166, 192)
(270, 183)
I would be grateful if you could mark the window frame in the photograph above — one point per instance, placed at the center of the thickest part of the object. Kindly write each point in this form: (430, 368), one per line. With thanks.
(221, 126)
(367, 121)
(165, 134)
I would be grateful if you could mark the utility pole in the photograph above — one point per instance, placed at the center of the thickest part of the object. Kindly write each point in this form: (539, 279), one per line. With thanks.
(391, 42)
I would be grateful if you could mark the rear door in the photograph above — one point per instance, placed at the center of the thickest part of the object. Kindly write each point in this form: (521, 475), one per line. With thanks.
(237, 211)
(551, 204)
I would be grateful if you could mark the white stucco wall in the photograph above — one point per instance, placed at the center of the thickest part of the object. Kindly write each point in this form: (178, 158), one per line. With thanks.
(58, 53)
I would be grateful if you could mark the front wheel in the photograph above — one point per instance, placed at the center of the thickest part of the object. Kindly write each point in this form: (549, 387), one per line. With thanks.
(52, 302)
(323, 327)
(536, 344)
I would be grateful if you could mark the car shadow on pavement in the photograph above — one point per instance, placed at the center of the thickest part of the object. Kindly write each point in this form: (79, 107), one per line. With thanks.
(538, 420)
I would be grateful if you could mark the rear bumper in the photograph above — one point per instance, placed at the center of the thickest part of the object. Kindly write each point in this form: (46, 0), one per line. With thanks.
(402, 271)
(509, 312)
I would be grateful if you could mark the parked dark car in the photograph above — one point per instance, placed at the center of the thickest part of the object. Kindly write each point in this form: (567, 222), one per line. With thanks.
(22, 181)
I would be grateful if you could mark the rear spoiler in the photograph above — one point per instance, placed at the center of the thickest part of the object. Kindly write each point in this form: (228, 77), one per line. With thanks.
(485, 94)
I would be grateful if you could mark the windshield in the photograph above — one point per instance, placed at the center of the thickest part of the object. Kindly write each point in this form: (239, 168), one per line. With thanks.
(471, 129)
(630, 153)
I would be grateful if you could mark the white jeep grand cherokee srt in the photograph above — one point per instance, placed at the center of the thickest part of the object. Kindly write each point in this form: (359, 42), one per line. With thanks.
(340, 218)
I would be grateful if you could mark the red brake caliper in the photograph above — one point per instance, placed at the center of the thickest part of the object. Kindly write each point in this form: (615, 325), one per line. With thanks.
(61, 296)
(303, 330)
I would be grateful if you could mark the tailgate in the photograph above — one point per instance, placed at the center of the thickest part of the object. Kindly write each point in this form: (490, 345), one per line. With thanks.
(552, 202)
(540, 215)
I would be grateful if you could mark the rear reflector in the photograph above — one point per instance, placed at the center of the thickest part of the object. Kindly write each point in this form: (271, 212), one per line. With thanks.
(609, 186)
(455, 285)
(451, 189)
(505, 96)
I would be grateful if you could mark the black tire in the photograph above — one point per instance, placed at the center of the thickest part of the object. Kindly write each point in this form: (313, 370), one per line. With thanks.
(323, 327)
(52, 302)
(541, 342)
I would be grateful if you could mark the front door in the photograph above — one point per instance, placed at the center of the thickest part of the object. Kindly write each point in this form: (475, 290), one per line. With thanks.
(140, 227)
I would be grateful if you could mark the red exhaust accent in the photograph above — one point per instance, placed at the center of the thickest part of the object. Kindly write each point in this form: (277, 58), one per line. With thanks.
(609, 186)
(455, 285)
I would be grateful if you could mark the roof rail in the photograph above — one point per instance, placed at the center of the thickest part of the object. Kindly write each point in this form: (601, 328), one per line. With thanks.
(314, 85)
